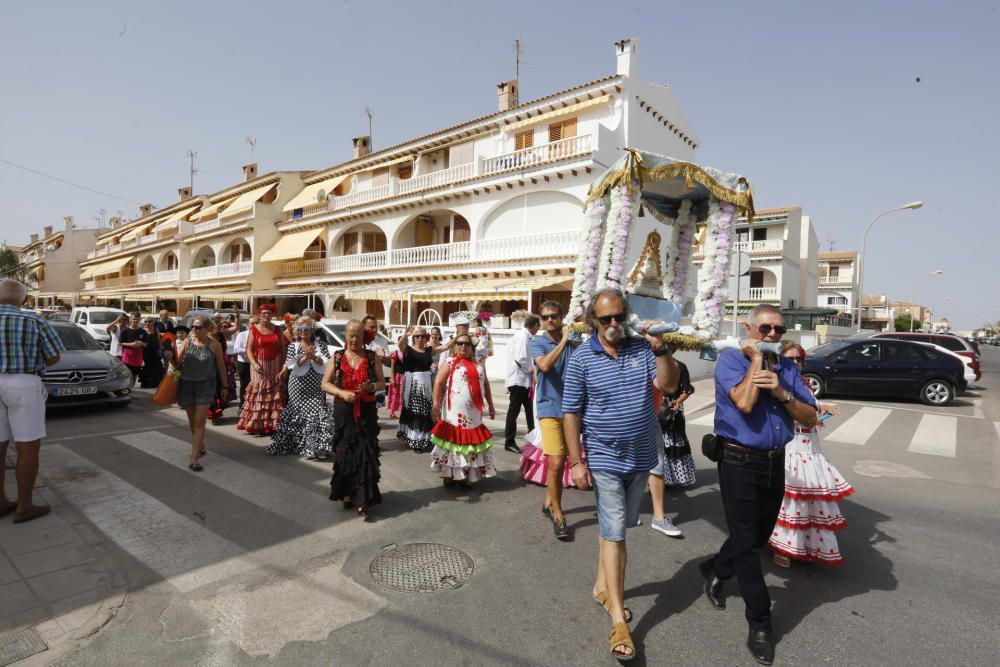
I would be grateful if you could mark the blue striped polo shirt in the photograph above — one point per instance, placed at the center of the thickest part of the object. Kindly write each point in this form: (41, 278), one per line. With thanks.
(615, 398)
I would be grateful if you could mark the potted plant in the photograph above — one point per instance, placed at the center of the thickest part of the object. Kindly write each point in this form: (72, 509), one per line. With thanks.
(467, 314)
(517, 318)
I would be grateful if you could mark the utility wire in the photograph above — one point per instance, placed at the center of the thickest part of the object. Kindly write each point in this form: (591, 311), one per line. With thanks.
(62, 180)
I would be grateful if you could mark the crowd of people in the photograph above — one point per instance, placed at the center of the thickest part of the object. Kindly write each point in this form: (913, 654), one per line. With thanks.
(609, 409)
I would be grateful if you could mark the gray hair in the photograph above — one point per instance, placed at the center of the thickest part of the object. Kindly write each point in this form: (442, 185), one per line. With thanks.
(310, 313)
(758, 310)
(12, 292)
(591, 314)
(552, 305)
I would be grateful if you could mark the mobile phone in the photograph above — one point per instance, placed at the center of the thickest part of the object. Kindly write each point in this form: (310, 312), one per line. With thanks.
(826, 415)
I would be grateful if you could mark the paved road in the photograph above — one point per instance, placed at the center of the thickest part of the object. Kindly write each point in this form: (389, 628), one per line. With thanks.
(249, 563)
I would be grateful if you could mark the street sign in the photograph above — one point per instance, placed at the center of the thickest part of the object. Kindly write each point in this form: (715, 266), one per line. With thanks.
(740, 263)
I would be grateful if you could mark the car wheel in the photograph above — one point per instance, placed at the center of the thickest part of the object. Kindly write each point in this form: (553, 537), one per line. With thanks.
(815, 384)
(937, 392)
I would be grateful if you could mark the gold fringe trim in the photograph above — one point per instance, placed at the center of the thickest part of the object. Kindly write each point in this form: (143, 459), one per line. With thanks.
(682, 341)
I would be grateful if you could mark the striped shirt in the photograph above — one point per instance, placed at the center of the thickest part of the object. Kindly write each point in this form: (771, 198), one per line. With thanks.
(615, 398)
(26, 341)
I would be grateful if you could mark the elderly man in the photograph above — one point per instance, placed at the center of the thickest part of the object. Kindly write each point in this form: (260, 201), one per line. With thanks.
(163, 324)
(27, 345)
(608, 406)
(758, 398)
(518, 382)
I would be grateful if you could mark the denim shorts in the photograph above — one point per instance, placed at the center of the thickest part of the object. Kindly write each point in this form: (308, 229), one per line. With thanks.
(618, 497)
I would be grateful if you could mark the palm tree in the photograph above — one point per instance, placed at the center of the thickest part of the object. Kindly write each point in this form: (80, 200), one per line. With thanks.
(12, 267)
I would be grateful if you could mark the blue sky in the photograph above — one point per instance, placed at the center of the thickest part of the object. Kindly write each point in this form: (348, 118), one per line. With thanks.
(817, 104)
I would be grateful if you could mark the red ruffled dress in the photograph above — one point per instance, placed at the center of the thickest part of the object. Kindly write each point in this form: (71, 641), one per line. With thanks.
(810, 516)
(462, 442)
(265, 397)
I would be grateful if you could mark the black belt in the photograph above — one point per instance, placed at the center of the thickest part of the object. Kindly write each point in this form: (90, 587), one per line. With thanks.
(751, 451)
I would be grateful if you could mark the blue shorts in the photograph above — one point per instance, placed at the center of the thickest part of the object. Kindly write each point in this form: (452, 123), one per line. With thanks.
(618, 497)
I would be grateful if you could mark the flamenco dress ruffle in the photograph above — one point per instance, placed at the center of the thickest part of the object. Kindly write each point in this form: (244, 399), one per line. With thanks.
(535, 464)
(462, 454)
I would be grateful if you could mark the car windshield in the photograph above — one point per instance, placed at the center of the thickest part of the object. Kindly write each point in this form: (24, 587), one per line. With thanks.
(829, 348)
(59, 317)
(74, 339)
(103, 316)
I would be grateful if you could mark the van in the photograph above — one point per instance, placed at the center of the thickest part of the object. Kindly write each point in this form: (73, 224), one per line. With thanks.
(95, 320)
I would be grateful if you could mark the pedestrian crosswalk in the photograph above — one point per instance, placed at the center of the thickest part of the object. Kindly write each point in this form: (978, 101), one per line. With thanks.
(859, 427)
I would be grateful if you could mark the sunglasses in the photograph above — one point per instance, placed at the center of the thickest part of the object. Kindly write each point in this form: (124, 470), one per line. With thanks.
(767, 328)
(463, 343)
(420, 338)
(195, 327)
(305, 328)
(618, 317)
(553, 316)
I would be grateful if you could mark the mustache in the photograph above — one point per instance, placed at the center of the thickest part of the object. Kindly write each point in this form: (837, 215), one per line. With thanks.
(612, 334)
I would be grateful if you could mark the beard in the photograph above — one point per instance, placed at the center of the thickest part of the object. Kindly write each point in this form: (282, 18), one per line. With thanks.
(614, 334)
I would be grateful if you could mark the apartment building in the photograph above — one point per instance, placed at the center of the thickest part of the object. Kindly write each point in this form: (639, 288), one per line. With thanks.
(783, 250)
(921, 315)
(838, 280)
(877, 313)
(53, 257)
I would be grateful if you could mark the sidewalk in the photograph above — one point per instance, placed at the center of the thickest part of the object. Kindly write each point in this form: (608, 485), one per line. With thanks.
(703, 396)
(58, 583)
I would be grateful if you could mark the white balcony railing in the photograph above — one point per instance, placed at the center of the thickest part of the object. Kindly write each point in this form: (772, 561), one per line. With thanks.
(363, 262)
(836, 280)
(556, 244)
(437, 178)
(759, 247)
(171, 275)
(440, 253)
(759, 293)
(206, 226)
(239, 217)
(222, 270)
(529, 157)
(362, 197)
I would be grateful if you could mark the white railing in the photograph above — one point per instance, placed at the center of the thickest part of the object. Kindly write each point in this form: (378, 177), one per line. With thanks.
(529, 157)
(148, 238)
(759, 247)
(539, 245)
(89, 284)
(836, 280)
(170, 275)
(239, 217)
(432, 254)
(206, 226)
(222, 270)
(121, 281)
(362, 262)
(362, 197)
(758, 293)
(437, 178)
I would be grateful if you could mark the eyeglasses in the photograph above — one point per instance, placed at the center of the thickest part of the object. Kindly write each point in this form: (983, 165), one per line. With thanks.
(420, 338)
(619, 318)
(767, 328)
(305, 328)
(463, 343)
(197, 326)
(554, 316)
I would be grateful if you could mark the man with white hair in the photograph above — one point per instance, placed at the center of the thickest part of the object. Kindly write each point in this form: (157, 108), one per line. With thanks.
(27, 345)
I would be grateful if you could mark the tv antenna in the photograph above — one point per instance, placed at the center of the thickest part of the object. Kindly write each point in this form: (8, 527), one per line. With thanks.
(252, 140)
(191, 156)
(829, 242)
(100, 217)
(371, 143)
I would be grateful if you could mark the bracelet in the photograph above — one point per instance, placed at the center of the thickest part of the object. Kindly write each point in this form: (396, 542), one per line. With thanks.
(662, 352)
(575, 464)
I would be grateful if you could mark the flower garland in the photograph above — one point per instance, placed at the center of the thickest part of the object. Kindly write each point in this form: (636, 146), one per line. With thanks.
(624, 208)
(675, 277)
(585, 274)
(714, 273)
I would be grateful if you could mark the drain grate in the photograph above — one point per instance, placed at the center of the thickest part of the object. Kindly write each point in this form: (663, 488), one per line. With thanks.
(20, 645)
(421, 568)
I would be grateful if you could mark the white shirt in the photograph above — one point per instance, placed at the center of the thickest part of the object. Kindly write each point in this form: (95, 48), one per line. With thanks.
(519, 365)
(240, 346)
(295, 349)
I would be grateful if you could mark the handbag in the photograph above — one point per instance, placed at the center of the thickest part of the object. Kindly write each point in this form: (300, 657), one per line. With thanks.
(132, 356)
(711, 447)
(166, 392)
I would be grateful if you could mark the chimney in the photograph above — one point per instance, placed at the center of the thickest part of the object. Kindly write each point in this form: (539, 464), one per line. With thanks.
(69, 222)
(48, 231)
(628, 56)
(507, 94)
(34, 238)
(362, 146)
(184, 193)
(114, 221)
(249, 172)
(145, 210)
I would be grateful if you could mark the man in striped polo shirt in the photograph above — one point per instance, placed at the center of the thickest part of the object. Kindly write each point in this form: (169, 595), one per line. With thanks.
(608, 406)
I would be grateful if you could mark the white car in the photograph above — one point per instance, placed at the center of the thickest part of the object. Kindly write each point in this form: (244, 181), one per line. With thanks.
(332, 333)
(969, 372)
(95, 320)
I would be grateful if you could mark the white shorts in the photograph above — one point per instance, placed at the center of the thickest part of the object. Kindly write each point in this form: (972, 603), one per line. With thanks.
(22, 408)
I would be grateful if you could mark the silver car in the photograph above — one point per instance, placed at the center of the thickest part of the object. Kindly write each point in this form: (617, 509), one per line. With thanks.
(85, 374)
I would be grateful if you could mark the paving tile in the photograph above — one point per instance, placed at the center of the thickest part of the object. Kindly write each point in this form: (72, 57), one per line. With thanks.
(23, 619)
(7, 571)
(48, 531)
(16, 597)
(43, 561)
(69, 582)
(87, 599)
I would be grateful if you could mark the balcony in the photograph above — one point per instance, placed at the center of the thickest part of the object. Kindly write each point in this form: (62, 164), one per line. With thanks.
(836, 280)
(757, 294)
(222, 270)
(362, 197)
(108, 283)
(526, 158)
(159, 277)
(206, 226)
(557, 244)
(437, 179)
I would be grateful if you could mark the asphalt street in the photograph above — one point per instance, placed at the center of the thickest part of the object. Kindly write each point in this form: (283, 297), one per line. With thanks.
(248, 563)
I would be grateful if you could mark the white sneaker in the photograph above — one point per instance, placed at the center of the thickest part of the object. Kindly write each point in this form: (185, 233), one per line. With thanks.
(665, 526)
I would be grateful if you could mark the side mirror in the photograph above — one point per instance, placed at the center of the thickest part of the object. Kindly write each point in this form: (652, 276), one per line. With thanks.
(842, 359)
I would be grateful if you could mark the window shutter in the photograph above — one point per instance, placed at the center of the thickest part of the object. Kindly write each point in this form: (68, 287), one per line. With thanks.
(555, 132)
(351, 243)
(523, 140)
(568, 128)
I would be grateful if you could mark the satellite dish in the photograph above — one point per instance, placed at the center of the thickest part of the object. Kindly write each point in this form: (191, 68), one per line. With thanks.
(321, 195)
(740, 264)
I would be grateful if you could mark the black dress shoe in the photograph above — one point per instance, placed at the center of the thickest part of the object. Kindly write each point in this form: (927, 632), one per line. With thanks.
(713, 585)
(512, 448)
(560, 529)
(761, 645)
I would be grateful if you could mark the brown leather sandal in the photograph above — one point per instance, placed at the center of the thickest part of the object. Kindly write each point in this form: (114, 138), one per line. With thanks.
(604, 600)
(621, 638)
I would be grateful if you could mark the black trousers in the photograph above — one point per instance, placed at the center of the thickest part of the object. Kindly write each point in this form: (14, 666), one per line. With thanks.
(518, 397)
(752, 489)
(243, 369)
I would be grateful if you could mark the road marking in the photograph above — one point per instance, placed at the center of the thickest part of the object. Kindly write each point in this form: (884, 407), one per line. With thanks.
(859, 428)
(180, 550)
(977, 408)
(100, 435)
(918, 410)
(936, 435)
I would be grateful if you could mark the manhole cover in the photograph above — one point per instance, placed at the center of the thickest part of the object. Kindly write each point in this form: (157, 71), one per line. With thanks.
(20, 645)
(421, 568)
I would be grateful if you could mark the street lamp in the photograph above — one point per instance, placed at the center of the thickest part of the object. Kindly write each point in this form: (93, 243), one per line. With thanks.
(913, 299)
(864, 242)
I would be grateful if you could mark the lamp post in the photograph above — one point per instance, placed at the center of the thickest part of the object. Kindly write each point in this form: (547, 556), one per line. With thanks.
(864, 243)
(913, 298)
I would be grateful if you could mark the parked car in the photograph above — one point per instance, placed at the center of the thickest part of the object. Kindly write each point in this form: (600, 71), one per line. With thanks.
(209, 312)
(332, 333)
(95, 320)
(968, 373)
(951, 342)
(85, 374)
(880, 367)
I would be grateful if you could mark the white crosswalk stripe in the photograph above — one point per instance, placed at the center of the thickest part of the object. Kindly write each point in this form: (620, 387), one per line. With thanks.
(860, 427)
(936, 435)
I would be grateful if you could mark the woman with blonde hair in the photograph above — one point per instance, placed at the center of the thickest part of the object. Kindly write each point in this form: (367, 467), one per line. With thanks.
(415, 418)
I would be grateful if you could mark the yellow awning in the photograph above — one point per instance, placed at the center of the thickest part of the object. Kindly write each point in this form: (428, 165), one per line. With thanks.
(246, 200)
(105, 268)
(174, 219)
(213, 210)
(291, 246)
(552, 115)
(310, 195)
(488, 289)
(135, 232)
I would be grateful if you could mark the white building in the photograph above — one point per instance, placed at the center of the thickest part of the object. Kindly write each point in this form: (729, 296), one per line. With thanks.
(53, 257)
(783, 251)
(838, 280)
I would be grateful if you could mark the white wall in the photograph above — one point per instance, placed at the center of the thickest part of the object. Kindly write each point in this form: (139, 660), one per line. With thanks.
(533, 213)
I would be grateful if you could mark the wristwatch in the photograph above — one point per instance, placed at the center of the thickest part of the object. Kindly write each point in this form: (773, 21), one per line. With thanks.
(788, 398)
(662, 352)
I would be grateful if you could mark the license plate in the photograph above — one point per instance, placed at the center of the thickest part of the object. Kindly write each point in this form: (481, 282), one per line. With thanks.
(74, 391)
